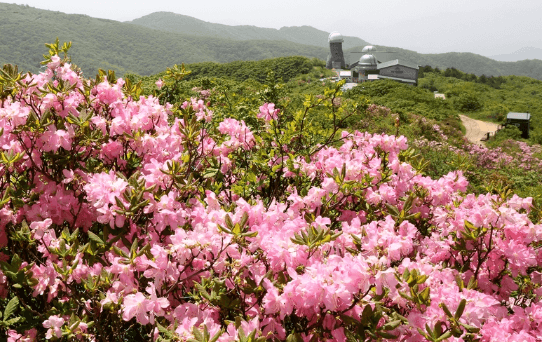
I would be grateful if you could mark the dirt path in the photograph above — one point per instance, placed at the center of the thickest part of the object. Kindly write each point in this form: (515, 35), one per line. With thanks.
(476, 129)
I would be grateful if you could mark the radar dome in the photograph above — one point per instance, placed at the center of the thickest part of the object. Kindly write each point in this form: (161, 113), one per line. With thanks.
(335, 37)
(367, 60)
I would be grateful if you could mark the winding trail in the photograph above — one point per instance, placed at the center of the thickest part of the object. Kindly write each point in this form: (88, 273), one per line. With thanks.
(476, 129)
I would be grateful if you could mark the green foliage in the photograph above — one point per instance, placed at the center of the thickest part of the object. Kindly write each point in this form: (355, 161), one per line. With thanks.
(493, 82)
(467, 102)
(509, 132)
(403, 98)
(9, 76)
(285, 68)
(486, 102)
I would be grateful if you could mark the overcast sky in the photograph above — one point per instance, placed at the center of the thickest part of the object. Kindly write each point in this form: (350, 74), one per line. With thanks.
(486, 27)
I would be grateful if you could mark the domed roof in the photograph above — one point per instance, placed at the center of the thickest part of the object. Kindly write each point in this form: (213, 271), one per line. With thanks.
(369, 48)
(367, 60)
(335, 37)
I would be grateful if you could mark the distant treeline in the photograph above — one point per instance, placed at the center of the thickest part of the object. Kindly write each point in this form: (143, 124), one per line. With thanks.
(494, 82)
(285, 68)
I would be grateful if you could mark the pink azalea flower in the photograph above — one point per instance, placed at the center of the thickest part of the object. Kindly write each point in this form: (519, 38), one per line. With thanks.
(268, 112)
(135, 305)
(39, 228)
(54, 323)
(159, 83)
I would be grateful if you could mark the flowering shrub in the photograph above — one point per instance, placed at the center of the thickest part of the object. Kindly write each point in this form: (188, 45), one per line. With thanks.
(513, 164)
(125, 219)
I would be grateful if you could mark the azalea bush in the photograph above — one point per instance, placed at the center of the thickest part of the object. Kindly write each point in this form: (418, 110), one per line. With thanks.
(511, 164)
(125, 219)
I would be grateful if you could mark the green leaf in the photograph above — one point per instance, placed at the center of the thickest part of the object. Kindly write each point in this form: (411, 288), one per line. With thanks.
(472, 284)
(11, 307)
(206, 335)
(469, 226)
(241, 334)
(446, 310)
(425, 294)
(119, 251)
(406, 275)
(13, 321)
(387, 335)
(391, 325)
(228, 221)
(217, 335)
(392, 210)
(366, 314)
(429, 331)
(460, 309)
(222, 229)
(470, 328)
(250, 234)
(444, 336)
(424, 334)
(294, 337)
(202, 291)
(95, 238)
(421, 279)
(408, 203)
(438, 328)
(210, 173)
(349, 336)
(244, 219)
(73, 235)
(162, 329)
(133, 248)
(197, 334)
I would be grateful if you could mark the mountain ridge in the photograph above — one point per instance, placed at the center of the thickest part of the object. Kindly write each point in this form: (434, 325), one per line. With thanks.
(180, 23)
(524, 53)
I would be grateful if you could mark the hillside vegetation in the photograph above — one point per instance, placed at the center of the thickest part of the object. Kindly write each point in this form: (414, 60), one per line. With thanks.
(283, 68)
(489, 98)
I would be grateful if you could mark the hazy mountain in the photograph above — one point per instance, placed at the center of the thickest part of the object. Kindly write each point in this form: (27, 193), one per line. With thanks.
(127, 47)
(520, 55)
(178, 23)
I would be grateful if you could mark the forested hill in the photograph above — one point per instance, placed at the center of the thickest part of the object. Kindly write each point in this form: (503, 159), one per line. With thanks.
(123, 47)
(178, 23)
(127, 47)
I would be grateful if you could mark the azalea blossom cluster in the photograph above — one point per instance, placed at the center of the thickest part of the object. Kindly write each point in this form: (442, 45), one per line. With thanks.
(121, 216)
(378, 110)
